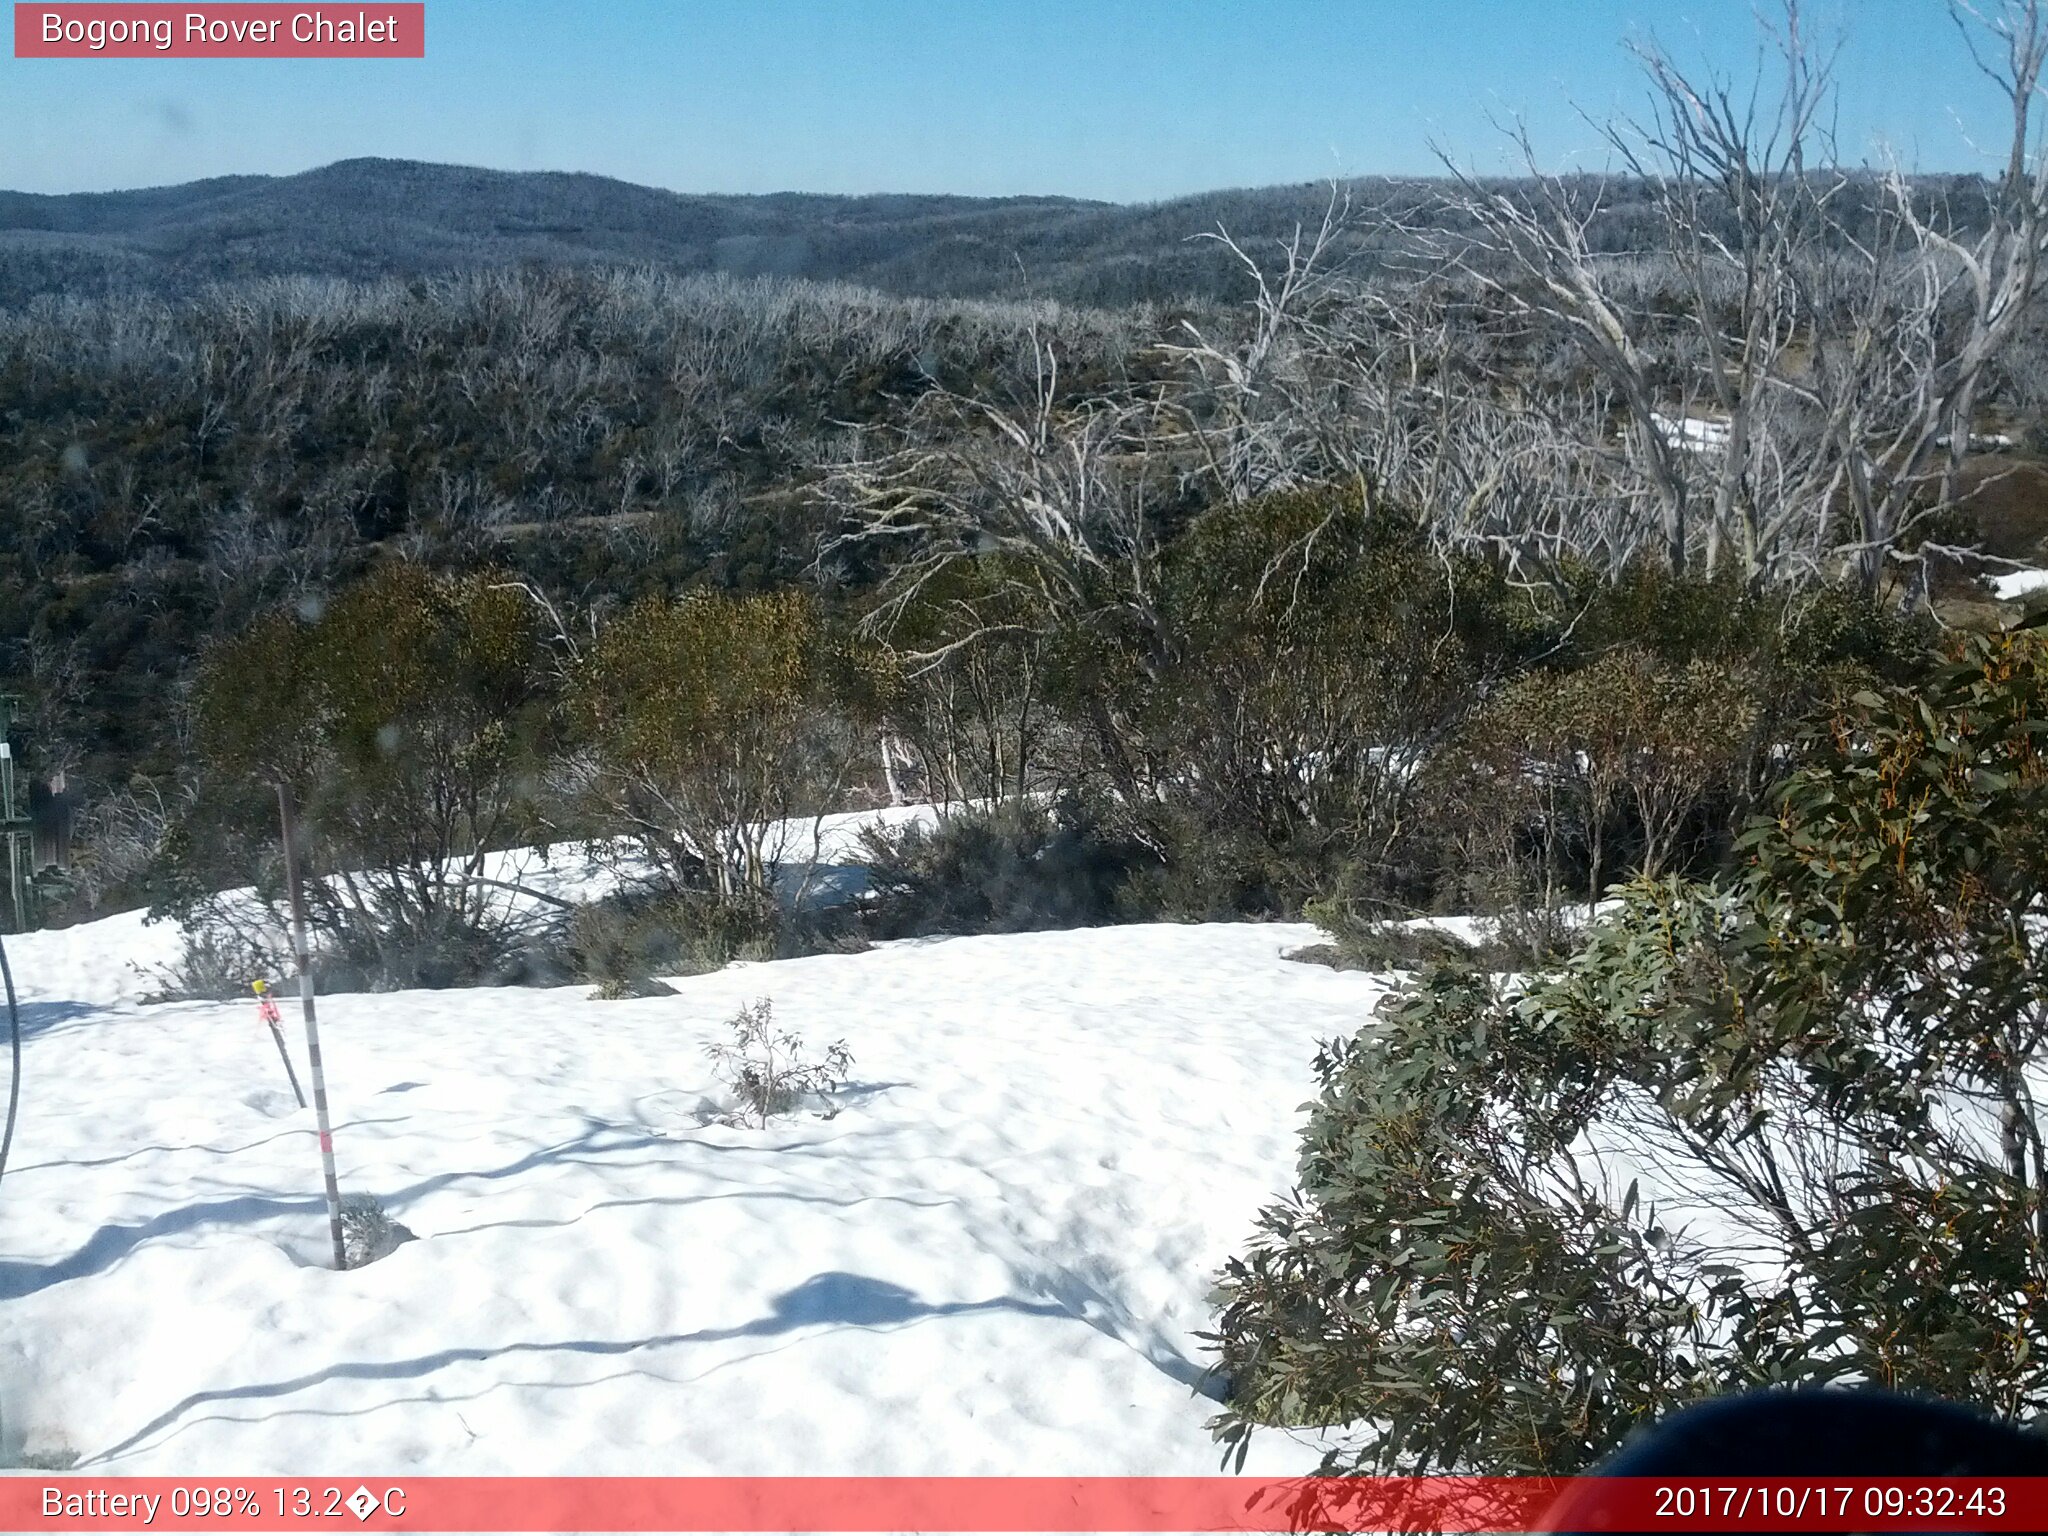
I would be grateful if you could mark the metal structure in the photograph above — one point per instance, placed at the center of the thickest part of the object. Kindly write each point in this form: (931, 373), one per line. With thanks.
(17, 828)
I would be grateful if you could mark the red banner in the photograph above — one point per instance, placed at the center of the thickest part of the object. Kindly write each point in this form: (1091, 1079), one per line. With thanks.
(371, 30)
(32, 1502)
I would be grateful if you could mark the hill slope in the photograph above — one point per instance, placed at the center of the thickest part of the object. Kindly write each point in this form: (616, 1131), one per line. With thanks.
(376, 218)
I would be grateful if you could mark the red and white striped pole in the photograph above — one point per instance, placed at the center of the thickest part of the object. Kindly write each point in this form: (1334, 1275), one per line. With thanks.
(291, 875)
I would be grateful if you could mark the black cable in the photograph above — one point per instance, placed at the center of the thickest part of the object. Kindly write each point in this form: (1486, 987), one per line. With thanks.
(14, 1077)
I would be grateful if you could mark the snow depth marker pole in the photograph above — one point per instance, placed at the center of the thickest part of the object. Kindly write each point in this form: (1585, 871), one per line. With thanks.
(291, 876)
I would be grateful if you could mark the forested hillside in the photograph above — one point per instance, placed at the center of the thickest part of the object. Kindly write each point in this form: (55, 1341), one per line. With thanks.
(367, 219)
(172, 468)
(177, 466)
(1613, 610)
(240, 397)
(372, 219)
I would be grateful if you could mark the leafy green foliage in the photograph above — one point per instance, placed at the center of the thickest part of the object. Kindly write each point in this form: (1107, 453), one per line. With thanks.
(710, 719)
(1643, 739)
(1781, 1130)
(409, 720)
(1605, 764)
(405, 675)
(1314, 654)
(1440, 1277)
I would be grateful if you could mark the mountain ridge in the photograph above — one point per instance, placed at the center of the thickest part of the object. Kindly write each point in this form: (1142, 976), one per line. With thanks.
(368, 218)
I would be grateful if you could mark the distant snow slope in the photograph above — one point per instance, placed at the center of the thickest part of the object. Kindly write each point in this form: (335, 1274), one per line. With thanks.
(992, 1260)
(2017, 584)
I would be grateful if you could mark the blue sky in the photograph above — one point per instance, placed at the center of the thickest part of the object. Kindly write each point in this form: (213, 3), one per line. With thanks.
(1129, 100)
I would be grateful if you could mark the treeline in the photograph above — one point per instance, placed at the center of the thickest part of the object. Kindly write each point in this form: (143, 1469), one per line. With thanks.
(1365, 731)
(170, 471)
(369, 220)
(981, 492)
(1771, 387)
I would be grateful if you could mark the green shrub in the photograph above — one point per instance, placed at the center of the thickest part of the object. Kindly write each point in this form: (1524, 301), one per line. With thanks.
(1775, 1131)
(708, 721)
(1016, 868)
(217, 964)
(635, 936)
(614, 990)
(1531, 938)
(1312, 656)
(409, 718)
(1566, 780)
(1383, 946)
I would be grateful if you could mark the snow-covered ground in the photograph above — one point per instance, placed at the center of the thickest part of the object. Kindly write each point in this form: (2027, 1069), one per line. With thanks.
(124, 959)
(2011, 585)
(1697, 433)
(993, 1259)
(1702, 434)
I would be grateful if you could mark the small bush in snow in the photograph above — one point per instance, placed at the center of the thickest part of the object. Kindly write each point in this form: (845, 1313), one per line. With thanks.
(767, 1068)
(216, 962)
(616, 990)
(1362, 943)
(628, 938)
(367, 1231)
(1015, 868)
(709, 720)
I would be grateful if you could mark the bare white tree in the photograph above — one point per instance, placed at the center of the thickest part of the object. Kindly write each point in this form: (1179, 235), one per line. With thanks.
(1833, 331)
(1066, 490)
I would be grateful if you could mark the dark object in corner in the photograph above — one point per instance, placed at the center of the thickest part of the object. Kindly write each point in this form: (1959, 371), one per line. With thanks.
(1830, 1433)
